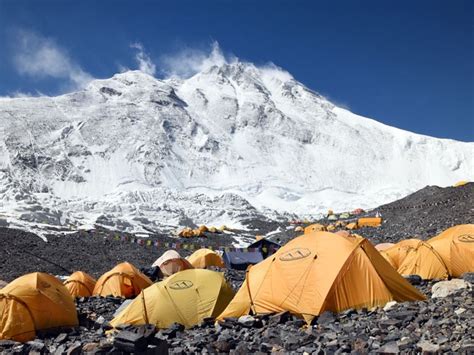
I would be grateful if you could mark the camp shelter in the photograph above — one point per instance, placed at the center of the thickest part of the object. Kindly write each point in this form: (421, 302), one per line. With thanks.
(186, 298)
(265, 246)
(241, 259)
(369, 222)
(171, 262)
(398, 252)
(80, 284)
(351, 226)
(416, 257)
(320, 272)
(358, 211)
(461, 183)
(124, 280)
(388, 259)
(384, 246)
(345, 215)
(203, 258)
(456, 247)
(314, 228)
(32, 302)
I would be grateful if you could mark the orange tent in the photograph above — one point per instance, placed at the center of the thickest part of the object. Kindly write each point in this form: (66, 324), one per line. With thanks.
(384, 246)
(415, 257)
(80, 284)
(352, 225)
(319, 272)
(34, 302)
(314, 228)
(171, 262)
(456, 247)
(204, 258)
(124, 280)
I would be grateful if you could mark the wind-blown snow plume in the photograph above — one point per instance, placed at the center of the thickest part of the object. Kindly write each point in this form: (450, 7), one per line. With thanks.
(41, 57)
(189, 61)
(145, 64)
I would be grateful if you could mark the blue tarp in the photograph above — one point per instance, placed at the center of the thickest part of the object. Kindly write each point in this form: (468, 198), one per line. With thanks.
(240, 260)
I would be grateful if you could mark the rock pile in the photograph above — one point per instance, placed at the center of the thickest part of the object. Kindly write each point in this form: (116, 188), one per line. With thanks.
(437, 324)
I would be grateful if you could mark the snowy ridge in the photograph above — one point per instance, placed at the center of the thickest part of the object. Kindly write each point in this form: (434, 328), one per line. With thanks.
(232, 143)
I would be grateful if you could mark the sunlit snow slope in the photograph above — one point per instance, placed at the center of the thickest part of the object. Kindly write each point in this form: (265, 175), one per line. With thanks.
(231, 143)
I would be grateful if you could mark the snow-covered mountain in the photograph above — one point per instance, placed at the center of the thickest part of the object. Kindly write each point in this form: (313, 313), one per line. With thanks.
(232, 142)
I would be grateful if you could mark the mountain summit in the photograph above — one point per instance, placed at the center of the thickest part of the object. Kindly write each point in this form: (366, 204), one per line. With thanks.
(233, 142)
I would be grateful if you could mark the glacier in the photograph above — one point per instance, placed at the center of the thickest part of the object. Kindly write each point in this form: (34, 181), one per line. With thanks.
(233, 143)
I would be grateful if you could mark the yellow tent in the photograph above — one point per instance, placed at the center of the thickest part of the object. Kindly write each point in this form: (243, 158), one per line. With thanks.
(415, 257)
(384, 246)
(80, 284)
(314, 228)
(461, 183)
(311, 275)
(33, 302)
(456, 247)
(124, 280)
(186, 298)
(352, 225)
(171, 262)
(203, 258)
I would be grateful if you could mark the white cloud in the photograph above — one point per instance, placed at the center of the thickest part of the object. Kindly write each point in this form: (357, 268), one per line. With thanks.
(41, 57)
(145, 64)
(190, 61)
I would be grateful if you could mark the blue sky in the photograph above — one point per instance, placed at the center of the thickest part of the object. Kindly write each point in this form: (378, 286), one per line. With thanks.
(409, 64)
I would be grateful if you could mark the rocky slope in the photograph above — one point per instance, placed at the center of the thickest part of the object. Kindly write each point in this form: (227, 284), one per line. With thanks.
(438, 324)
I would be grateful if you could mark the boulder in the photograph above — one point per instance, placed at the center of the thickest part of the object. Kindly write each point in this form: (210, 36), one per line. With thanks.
(446, 288)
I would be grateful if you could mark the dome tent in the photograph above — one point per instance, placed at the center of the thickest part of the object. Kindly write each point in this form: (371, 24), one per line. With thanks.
(186, 297)
(32, 302)
(416, 257)
(314, 228)
(80, 284)
(171, 262)
(456, 247)
(384, 246)
(319, 272)
(124, 280)
(203, 258)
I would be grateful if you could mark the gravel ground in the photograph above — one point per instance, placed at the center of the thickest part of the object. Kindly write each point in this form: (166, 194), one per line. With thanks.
(435, 325)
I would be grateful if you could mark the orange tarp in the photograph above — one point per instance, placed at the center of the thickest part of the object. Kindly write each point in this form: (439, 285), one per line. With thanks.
(456, 247)
(124, 280)
(318, 272)
(369, 222)
(80, 284)
(34, 302)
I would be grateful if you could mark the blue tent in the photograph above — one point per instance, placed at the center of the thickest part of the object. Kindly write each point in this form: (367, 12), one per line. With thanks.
(240, 259)
(265, 246)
